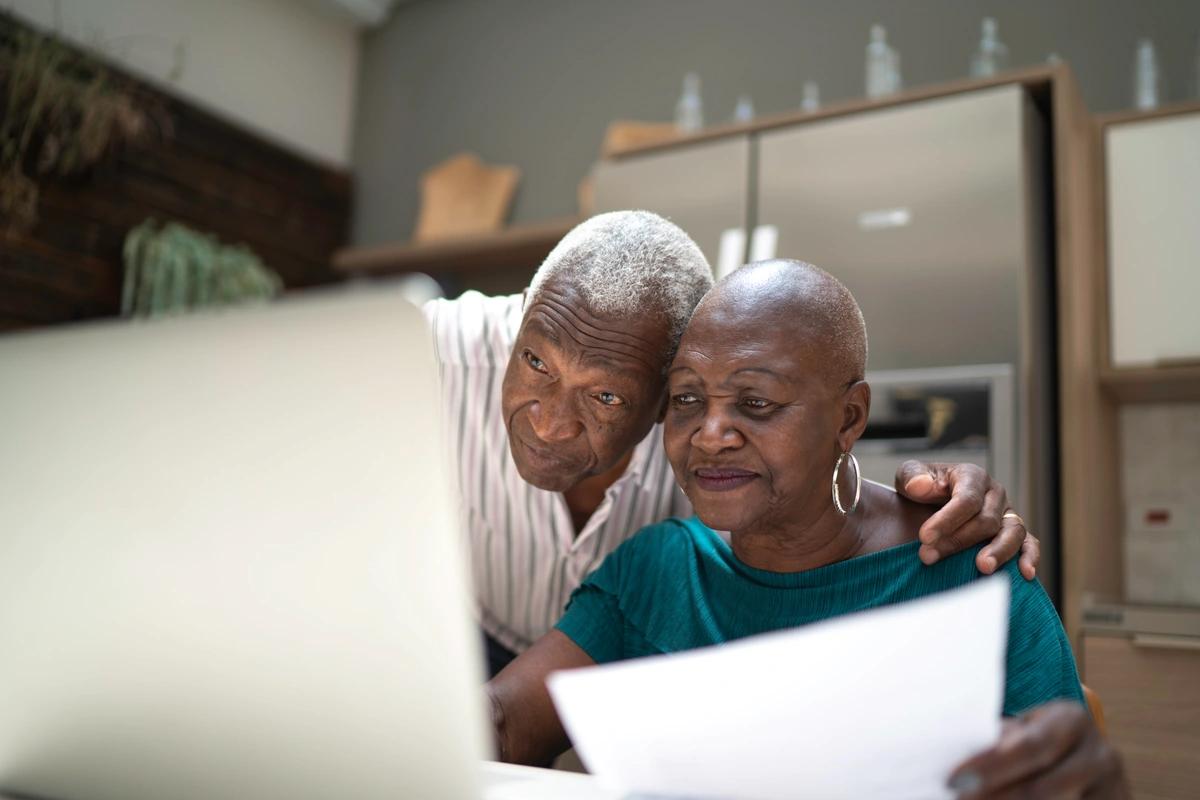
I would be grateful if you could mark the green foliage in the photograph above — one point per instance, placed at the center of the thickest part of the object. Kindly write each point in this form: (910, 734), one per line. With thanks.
(173, 269)
(61, 112)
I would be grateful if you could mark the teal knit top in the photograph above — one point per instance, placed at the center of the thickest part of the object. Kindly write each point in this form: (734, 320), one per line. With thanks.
(677, 585)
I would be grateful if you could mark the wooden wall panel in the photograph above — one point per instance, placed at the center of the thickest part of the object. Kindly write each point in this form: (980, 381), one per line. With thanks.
(209, 174)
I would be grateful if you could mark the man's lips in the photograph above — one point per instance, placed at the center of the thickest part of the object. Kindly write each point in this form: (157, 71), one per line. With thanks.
(722, 479)
(538, 452)
(545, 456)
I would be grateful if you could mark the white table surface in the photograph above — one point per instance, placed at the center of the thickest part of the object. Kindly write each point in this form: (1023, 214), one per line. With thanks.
(513, 782)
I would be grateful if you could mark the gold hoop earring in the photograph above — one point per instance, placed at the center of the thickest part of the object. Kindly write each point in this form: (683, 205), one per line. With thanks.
(837, 495)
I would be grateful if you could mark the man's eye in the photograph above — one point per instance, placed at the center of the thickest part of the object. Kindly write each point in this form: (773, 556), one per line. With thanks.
(757, 403)
(684, 399)
(609, 399)
(535, 362)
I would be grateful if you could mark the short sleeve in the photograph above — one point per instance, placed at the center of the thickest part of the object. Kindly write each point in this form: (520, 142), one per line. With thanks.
(593, 620)
(1040, 665)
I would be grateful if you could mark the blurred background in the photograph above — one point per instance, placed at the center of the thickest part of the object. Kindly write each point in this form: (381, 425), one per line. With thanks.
(1011, 189)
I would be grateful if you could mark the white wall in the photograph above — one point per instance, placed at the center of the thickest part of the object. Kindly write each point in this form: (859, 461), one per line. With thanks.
(283, 68)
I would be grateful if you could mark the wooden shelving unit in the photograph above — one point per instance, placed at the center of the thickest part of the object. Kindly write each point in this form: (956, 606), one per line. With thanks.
(518, 248)
(1158, 384)
(1094, 390)
(1145, 675)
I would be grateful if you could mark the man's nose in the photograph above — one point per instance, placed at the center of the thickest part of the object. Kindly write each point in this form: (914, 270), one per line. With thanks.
(716, 433)
(553, 419)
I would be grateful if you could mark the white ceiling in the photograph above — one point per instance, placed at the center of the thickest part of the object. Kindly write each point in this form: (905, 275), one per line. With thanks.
(362, 13)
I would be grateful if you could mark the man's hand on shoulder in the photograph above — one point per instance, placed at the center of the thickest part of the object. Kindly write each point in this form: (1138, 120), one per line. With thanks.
(974, 510)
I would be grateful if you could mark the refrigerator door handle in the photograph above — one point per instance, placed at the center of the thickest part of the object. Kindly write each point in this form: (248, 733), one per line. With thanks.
(764, 242)
(731, 251)
(1166, 642)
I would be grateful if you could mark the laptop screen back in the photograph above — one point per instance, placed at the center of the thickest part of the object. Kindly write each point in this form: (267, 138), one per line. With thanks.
(229, 566)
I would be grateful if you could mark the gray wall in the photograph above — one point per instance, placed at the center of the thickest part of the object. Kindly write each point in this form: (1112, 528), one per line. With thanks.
(535, 82)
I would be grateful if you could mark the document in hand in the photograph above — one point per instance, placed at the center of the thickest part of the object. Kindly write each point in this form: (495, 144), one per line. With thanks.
(882, 704)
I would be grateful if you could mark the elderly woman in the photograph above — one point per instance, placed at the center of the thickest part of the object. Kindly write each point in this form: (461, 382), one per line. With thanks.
(766, 401)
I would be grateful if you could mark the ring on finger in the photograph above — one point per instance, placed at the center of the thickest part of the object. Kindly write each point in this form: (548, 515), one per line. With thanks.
(1014, 515)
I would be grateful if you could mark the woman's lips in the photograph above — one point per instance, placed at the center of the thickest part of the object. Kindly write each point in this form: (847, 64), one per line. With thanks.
(723, 479)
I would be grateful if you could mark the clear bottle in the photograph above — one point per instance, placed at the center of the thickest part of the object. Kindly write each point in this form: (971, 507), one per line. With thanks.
(744, 110)
(883, 65)
(689, 111)
(1198, 66)
(1145, 76)
(991, 56)
(811, 98)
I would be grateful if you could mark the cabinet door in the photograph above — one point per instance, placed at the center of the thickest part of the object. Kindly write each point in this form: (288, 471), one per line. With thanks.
(921, 211)
(1150, 692)
(700, 187)
(1153, 171)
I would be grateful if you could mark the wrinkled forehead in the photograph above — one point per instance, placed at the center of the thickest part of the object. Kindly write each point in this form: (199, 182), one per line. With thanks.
(560, 314)
(729, 333)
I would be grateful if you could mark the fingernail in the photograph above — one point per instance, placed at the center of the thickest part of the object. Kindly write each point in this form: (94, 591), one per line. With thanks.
(927, 480)
(965, 782)
(928, 555)
(990, 563)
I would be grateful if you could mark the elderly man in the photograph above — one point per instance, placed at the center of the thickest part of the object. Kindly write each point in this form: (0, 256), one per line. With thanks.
(552, 403)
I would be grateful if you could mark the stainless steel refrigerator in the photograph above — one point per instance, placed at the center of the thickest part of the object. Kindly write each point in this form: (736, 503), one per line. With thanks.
(935, 213)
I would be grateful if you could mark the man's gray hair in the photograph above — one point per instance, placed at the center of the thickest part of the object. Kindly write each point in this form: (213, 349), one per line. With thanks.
(630, 264)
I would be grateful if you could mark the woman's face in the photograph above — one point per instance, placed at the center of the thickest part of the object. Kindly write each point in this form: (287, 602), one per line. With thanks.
(753, 427)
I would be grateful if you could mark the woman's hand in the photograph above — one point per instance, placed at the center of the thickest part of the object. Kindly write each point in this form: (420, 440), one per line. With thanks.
(1052, 751)
(974, 512)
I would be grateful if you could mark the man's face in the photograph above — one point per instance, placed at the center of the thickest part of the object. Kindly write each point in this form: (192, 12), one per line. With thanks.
(581, 389)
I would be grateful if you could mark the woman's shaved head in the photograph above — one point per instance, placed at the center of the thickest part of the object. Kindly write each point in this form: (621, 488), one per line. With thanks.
(765, 394)
(810, 303)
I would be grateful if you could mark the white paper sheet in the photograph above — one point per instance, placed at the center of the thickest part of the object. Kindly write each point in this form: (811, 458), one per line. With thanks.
(882, 704)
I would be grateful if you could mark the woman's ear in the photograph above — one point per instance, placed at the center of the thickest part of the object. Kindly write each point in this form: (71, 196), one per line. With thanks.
(856, 408)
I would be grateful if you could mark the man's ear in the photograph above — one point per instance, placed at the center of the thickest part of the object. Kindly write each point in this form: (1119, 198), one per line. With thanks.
(856, 409)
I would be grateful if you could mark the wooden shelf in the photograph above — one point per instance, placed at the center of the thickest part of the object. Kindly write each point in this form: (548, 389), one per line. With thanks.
(1161, 384)
(519, 247)
(1122, 117)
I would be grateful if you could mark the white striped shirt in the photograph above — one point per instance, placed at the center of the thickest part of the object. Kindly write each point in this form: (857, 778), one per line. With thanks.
(525, 557)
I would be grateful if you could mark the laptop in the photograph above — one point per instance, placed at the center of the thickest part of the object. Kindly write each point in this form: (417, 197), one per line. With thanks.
(229, 561)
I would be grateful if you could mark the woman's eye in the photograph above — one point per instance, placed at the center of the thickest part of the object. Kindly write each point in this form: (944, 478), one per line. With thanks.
(535, 362)
(757, 403)
(683, 399)
(609, 399)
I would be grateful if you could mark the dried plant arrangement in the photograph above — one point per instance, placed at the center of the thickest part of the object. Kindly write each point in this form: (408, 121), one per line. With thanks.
(61, 113)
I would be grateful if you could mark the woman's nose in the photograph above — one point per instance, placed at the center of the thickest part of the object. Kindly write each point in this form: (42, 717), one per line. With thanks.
(716, 433)
(553, 419)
